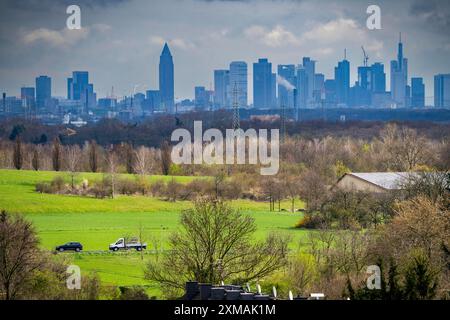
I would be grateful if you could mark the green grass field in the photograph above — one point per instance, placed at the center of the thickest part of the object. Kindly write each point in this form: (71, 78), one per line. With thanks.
(98, 222)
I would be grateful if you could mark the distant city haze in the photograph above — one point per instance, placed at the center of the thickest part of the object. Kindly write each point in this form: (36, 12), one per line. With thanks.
(121, 41)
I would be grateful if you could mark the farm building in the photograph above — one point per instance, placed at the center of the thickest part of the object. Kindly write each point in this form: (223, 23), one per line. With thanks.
(376, 182)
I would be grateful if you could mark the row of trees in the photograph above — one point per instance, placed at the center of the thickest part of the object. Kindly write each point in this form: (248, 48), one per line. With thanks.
(394, 149)
(88, 158)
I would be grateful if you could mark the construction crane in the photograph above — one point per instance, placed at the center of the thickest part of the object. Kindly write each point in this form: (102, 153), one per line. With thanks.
(366, 57)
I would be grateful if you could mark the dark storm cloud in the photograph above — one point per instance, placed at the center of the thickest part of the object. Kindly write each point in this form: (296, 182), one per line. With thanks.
(46, 4)
(122, 39)
(435, 14)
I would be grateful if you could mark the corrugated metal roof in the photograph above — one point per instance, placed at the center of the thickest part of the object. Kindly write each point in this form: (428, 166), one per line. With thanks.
(386, 180)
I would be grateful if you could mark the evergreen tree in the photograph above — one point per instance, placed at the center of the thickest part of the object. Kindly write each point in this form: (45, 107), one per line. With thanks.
(35, 162)
(93, 156)
(18, 154)
(56, 155)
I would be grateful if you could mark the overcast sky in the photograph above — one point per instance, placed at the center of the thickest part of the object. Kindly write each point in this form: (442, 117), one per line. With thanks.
(121, 40)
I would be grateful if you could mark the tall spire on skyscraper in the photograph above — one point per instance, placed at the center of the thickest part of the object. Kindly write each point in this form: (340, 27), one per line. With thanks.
(166, 79)
(400, 52)
(166, 50)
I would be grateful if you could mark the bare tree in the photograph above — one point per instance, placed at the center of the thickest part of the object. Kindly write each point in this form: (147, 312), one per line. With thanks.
(73, 155)
(18, 254)
(129, 158)
(18, 154)
(405, 148)
(93, 156)
(313, 189)
(56, 155)
(292, 186)
(301, 272)
(215, 244)
(166, 159)
(142, 164)
(111, 159)
(35, 161)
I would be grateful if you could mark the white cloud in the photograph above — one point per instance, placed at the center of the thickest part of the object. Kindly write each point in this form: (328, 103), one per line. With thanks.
(101, 27)
(177, 43)
(340, 31)
(323, 51)
(157, 40)
(335, 31)
(276, 37)
(58, 39)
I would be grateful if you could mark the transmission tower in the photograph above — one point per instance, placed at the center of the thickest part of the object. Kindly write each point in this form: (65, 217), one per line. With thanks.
(236, 117)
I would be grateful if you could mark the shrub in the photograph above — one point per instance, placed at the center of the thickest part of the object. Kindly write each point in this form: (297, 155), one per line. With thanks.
(102, 189)
(157, 188)
(127, 187)
(310, 221)
(132, 293)
(58, 184)
(43, 187)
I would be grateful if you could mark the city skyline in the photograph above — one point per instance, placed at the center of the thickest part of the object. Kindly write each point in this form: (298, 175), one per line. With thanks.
(299, 86)
(123, 54)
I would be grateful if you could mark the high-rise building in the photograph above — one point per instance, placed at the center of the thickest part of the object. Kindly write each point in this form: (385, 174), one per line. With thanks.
(43, 91)
(286, 89)
(310, 69)
(417, 93)
(166, 80)
(364, 77)
(79, 89)
(153, 98)
(221, 88)
(77, 85)
(201, 99)
(238, 80)
(330, 92)
(342, 78)
(378, 78)
(442, 91)
(399, 78)
(273, 89)
(319, 88)
(263, 85)
(302, 87)
(28, 94)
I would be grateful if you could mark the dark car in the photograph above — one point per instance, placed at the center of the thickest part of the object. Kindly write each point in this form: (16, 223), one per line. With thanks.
(70, 246)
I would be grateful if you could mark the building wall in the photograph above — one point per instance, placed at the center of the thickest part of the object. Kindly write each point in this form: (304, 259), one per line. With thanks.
(349, 182)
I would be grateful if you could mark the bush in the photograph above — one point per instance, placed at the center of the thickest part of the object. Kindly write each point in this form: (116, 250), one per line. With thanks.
(58, 184)
(132, 293)
(127, 187)
(43, 187)
(157, 188)
(310, 221)
(102, 189)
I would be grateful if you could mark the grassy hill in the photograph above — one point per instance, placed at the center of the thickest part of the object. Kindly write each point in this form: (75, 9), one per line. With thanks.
(98, 222)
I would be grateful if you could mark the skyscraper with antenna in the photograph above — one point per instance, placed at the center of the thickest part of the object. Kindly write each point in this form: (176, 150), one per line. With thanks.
(166, 80)
(399, 77)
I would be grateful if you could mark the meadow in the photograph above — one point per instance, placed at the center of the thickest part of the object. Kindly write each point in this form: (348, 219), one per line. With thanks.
(98, 222)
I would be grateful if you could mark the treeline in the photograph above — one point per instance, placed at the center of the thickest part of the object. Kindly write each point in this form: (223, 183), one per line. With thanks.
(154, 131)
(171, 190)
(392, 148)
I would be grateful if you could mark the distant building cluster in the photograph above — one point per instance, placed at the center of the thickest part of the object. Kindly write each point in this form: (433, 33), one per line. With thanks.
(292, 87)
